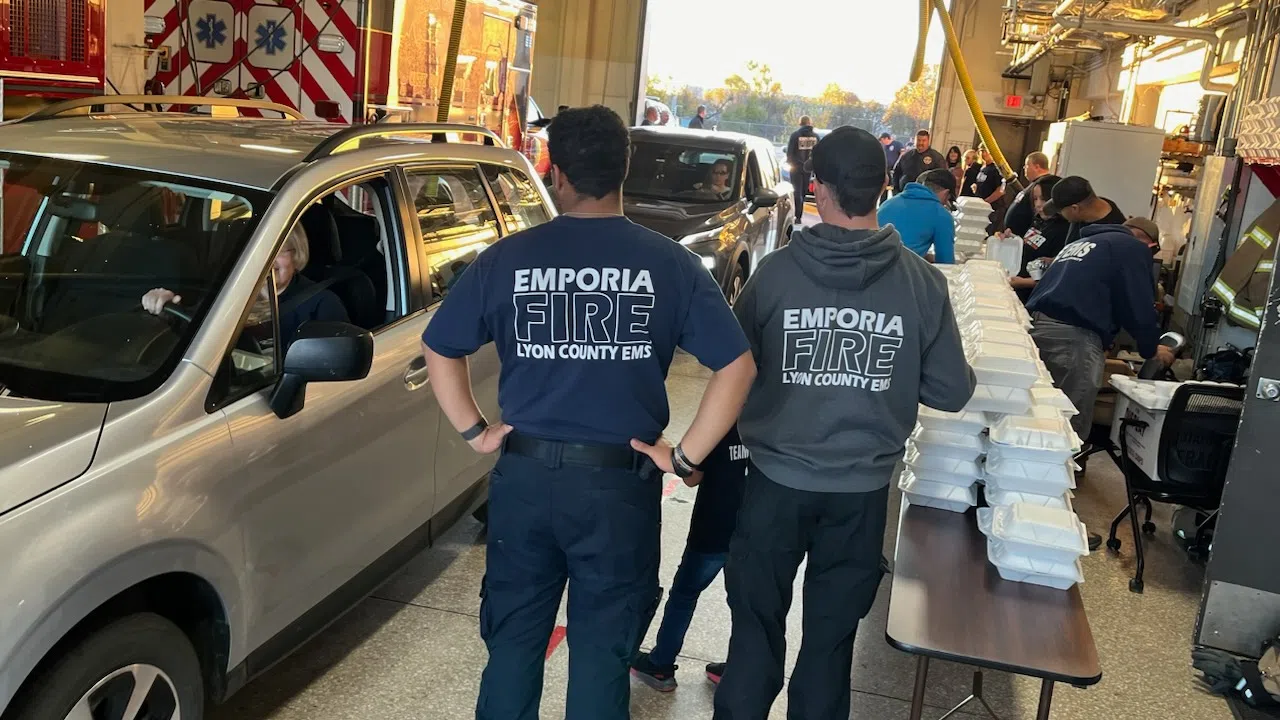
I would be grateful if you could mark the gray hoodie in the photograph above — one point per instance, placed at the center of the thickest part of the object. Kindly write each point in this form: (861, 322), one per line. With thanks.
(850, 331)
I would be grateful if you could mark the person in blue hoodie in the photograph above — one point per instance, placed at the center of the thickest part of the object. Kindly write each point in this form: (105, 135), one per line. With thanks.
(850, 332)
(919, 214)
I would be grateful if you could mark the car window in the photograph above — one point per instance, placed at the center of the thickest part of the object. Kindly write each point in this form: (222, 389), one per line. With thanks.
(518, 198)
(82, 244)
(674, 172)
(456, 220)
(342, 261)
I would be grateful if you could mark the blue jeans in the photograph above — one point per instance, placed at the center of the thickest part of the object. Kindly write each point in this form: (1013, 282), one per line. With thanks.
(697, 571)
(597, 530)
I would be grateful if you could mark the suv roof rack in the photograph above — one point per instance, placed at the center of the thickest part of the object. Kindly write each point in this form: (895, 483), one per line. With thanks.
(60, 108)
(350, 137)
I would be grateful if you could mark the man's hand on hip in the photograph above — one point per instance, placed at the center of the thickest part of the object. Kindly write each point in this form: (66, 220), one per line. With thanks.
(491, 439)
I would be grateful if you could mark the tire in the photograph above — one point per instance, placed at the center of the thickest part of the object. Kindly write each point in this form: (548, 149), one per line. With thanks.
(99, 672)
(737, 280)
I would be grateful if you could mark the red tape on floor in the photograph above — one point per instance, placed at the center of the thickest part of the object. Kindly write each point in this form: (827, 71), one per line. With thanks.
(670, 487)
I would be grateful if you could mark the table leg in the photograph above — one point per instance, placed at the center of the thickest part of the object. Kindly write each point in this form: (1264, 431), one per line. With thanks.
(917, 697)
(1046, 698)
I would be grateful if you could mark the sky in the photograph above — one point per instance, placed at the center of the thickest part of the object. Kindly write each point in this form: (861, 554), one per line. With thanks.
(857, 44)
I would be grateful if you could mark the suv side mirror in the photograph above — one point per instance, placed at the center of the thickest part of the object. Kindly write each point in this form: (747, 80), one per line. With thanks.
(765, 198)
(321, 352)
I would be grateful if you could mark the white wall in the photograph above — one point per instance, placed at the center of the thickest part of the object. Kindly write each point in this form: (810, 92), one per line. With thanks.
(126, 65)
(586, 51)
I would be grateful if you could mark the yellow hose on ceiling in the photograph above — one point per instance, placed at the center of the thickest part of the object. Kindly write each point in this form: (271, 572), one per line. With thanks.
(962, 73)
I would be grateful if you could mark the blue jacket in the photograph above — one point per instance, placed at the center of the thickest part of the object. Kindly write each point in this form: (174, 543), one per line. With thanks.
(1102, 282)
(922, 221)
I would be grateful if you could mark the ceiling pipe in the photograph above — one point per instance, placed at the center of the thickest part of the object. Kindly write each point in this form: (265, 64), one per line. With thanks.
(1056, 35)
(1212, 38)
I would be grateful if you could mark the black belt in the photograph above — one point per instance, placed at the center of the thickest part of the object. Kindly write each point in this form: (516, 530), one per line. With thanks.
(555, 453)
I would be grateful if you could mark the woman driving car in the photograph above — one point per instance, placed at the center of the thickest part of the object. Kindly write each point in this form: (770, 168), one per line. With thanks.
(298, 298)
(718, 184)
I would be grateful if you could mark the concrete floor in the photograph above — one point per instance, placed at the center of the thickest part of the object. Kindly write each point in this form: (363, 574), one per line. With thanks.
(413, 649)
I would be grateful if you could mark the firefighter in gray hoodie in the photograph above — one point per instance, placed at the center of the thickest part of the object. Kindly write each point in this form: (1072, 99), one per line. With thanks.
(850, 331)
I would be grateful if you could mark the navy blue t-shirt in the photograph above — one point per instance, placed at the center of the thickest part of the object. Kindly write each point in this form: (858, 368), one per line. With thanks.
(586, 314)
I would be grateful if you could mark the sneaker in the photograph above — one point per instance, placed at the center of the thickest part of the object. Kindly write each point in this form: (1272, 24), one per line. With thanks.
(714, 672)
(662, 679)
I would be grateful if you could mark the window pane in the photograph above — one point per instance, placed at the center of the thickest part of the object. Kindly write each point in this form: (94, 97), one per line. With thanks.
(671, 172)
(456, 219)
(252, 363)
(518, 198)
(83, 244)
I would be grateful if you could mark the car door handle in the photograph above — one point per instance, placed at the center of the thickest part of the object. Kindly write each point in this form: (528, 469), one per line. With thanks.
(415, 376)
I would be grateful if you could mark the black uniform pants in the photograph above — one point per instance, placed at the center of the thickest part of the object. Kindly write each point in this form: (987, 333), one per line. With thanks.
(801, 190)
(842, 534)
(595, 528)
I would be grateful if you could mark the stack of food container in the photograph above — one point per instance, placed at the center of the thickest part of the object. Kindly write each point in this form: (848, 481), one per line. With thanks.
(1013, 437)
(972, 216)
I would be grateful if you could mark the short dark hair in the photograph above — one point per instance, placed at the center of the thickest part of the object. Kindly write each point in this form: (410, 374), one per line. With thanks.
(850, 161)
(592, 148)
(922, 133)
(1046, 183)
(886, 136)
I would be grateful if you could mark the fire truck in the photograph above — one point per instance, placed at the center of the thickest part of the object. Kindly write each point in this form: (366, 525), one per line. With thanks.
(351, 61)
(50, 50)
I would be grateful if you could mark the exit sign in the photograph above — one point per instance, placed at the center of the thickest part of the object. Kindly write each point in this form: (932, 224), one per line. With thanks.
(1013, 101)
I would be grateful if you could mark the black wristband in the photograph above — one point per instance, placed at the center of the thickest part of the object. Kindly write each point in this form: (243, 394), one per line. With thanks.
(683, 466)
(476, 430)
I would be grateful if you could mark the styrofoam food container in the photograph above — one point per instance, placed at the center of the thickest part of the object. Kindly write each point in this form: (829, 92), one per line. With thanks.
(1037, 474)
(939, 468)
(999, 399)
(1003, 365)
(978, 326)
(998, 336)
(1013, 567)
(997, 495)
(946, 444)
(1043, 532)
(1052, 397)
(965, 423)
(954, 498)
(1025, 432)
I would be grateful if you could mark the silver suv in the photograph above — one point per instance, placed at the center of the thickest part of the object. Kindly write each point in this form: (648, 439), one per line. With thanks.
(220, 430)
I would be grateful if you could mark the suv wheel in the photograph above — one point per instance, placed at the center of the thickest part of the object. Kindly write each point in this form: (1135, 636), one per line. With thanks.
(141, 667)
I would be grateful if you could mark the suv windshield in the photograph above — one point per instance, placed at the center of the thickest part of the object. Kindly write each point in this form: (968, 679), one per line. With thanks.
(82, 244)
(680, 172)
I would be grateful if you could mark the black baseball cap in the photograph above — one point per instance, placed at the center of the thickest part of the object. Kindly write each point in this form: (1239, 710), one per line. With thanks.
(851, 158)
(885, 136)
(940, 177)
(1068, 191)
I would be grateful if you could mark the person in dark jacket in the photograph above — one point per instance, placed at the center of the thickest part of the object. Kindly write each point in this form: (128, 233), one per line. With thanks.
(892, 149)
(699, 119)
(1022, 213)
(1074, 199)
(1042, 242)
(1098, 283)
(799, 148)
(715, 512)
(851, 331)
(915, 161)
(972, 166)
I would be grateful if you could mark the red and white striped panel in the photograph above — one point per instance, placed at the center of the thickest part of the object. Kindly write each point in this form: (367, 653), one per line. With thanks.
(197, 31)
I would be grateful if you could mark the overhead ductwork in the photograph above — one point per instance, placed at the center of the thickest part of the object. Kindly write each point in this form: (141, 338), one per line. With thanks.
(1066, 25)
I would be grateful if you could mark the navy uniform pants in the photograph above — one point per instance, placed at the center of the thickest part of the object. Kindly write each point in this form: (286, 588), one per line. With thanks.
(596, 529)
(842, 535)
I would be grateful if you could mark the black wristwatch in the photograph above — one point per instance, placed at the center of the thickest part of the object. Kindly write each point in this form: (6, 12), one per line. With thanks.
(476, 430)
(683, 466)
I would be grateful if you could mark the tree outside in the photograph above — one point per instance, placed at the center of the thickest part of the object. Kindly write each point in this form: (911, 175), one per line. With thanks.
(755, 103)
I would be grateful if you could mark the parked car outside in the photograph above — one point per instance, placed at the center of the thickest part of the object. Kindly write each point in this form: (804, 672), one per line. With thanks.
(720, 194)
(186, 495)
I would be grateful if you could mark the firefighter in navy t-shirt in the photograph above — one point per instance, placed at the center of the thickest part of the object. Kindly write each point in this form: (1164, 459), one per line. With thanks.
(586, 312)
(705, 552)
